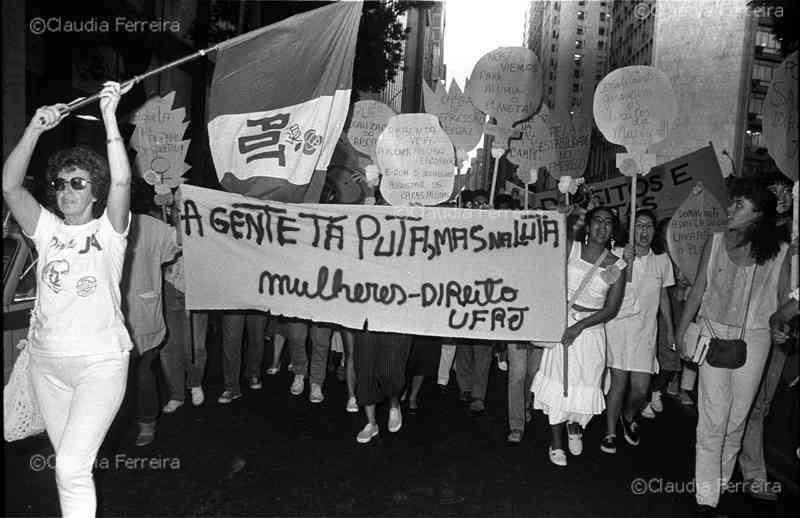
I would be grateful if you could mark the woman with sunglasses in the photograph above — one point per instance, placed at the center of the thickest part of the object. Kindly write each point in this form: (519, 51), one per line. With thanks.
(78, 342)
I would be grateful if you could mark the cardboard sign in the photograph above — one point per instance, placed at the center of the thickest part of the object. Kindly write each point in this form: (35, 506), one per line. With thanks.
(663, 190)
(462, 122)
(634, 106)
(497, 275)
(780, 116)
(692, 224)
(535, 148)
(416, 159)
(158, 141)
(367, 122)
(506, 83)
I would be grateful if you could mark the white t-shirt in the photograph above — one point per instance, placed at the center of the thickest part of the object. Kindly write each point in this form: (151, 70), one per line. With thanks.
(77, 310)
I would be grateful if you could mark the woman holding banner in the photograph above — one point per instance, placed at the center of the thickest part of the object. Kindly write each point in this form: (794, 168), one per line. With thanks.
(79, 346)
(742, 278)
(596, 283)
(632, 333)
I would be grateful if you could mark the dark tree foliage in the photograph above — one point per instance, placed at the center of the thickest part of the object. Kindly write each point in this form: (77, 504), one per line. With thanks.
(379, 51)
(785, 14)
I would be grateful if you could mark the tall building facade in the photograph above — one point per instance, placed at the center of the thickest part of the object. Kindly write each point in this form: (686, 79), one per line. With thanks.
(572, 39)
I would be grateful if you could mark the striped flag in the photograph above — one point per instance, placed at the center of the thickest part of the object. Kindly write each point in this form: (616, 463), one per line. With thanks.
(279, 100)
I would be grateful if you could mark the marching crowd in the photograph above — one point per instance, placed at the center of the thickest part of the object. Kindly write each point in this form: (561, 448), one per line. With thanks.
(629, 311)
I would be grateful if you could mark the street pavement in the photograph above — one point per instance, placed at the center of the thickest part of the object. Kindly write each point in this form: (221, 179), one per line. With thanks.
(272, 454)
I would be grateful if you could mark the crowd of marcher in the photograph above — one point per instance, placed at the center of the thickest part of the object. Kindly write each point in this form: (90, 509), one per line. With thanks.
(628, 312)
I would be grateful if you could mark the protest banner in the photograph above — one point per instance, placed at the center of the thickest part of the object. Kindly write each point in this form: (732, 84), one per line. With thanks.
(498, 275)
(692, 224)
(462, 122)
(663, 190)
(416, 159)
(159, 144)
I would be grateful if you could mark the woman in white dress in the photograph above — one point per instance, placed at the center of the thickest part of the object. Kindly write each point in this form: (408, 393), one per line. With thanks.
(632, 333)
(584, 338)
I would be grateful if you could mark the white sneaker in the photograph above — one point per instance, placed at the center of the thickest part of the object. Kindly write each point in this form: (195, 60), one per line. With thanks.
(297, 385)
(575, 442)
(352, 405)
(655, 402)
(315, 394)
(171, 406)
(647, 412)
(366, 435)
(395, 420)
(197, 396)
(557, 457)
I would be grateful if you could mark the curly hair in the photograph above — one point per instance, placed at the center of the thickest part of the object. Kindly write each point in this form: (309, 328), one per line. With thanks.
(764, 234)
(658, 241)
(80, 157)
(588, 222)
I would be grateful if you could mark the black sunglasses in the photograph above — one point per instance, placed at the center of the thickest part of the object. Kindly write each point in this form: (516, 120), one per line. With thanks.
(77, 183)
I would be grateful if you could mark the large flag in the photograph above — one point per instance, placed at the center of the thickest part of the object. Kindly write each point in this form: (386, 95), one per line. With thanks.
(279, 100)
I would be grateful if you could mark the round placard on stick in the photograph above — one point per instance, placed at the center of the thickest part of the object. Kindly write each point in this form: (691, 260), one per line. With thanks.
(367, 122)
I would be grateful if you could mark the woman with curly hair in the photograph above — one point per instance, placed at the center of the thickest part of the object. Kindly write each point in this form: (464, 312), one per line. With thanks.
(79, 346)
(598, 277)
(742, 278)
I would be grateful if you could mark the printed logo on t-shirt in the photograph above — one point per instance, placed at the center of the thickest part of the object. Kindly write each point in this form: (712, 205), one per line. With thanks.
(54, 274)
(86, 285)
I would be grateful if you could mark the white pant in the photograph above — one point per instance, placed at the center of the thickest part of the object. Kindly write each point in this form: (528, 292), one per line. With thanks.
(724, 400)
(79, 398)
(446, 363)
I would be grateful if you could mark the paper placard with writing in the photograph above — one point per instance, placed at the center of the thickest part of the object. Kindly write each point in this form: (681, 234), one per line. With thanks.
(367, 122)
(462, 122)
(506, 83)
(416, 158)
(634, 106)
(780, 116)
(498, 275)
(159, 144)
(692, 224)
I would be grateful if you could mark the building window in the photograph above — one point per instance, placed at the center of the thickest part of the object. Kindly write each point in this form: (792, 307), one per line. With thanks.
(602, 31)
(767, 42)
(579, 30)
(762, 72)
(753, 139)
(552, 75)
(578, 44)
(555, 33)
(576, 87)
(577, 73)
(550, 90)
(601, 44)
(756, 105)
(602, 16)
(581, 15)
(577, 58)
(556, 6)
(581, 2)
(553, 47)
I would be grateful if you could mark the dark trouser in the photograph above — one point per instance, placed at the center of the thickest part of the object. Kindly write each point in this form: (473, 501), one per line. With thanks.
(177, 358)
(147, 404)
(233, 325)
(472, 368)
(380, 360)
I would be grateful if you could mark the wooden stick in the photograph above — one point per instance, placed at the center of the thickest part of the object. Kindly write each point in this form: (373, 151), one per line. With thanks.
(796, 205)
(566, 368)
(494, 178)
(527, 186)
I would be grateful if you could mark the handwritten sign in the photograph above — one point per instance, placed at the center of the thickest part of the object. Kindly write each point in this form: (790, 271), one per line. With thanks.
(416, 159)
(692, 224)
(496, 275)
(535, 147)
(367, 122)
(158, 141)
(506, 83)
(634, 106)
(462, 122)
(662, 191)
(780, 116)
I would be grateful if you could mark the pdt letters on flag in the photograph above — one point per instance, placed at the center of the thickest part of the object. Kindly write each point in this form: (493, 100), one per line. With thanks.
(496, 275)
(279, 100)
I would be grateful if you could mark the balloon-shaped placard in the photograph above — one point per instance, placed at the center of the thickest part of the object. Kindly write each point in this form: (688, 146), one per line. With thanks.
(635, 106)
(506, 84)
(462, 122)
(780, 116)
(696, 219)
(415, 156)
(368, 120)
(535, 148)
